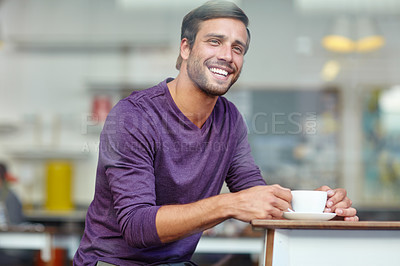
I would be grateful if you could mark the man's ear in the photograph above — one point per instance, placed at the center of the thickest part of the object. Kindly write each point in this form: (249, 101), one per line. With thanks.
(185, 49)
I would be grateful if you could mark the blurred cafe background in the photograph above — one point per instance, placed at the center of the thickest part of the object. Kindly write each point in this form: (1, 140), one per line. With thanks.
(320, 93)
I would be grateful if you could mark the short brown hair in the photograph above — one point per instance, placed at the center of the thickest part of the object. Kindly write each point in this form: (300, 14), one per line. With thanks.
(210, 10)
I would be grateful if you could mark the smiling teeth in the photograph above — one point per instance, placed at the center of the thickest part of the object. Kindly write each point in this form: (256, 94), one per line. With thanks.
(219, 71)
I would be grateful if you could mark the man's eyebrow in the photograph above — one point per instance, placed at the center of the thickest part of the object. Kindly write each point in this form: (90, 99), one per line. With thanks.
(220, 36)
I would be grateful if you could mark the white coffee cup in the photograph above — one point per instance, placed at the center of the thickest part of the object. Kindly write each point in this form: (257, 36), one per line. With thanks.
(309, 201)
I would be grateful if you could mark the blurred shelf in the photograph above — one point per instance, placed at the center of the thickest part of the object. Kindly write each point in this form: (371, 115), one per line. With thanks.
(40, 153)
(43, 215)
(121, 88)
(110, 86)
(7, 127)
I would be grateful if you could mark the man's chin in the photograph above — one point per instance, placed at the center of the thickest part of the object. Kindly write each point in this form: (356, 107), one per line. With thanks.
(213, 91)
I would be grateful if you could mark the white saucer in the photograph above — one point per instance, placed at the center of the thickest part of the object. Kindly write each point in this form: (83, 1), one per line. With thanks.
(308, 216)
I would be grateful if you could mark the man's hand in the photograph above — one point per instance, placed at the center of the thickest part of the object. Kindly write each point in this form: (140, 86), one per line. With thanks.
(339, 203)
(261, 202)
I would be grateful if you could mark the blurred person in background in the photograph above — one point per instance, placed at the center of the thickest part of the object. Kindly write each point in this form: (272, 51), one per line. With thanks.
(165, 153)
(11, 213)
(10, 205)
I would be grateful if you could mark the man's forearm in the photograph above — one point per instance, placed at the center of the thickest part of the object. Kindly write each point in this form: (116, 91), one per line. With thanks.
(260, 202)
(177, 221)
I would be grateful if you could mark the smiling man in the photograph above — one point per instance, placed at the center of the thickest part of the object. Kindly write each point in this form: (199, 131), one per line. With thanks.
(166, 151)
(218, 51)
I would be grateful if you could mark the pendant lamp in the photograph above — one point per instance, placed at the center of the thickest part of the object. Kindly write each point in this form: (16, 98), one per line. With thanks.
(353, 35)
(368, 37)
(339, 38)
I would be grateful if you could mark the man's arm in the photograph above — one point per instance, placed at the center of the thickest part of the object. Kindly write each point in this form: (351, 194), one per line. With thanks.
(261, 202)
(174, 222)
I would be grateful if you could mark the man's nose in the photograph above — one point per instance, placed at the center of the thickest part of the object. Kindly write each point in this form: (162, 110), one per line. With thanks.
(226, 53)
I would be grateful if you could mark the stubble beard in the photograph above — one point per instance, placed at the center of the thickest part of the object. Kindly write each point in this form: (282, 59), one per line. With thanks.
(196, 73)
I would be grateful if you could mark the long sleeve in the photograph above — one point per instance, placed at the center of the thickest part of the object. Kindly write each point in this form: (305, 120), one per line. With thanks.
(127, 153)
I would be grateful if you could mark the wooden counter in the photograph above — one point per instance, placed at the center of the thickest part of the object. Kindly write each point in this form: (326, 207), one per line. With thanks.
(332, 225)
(298, 243)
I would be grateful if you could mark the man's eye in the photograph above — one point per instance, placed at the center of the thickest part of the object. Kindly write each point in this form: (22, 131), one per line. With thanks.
(214, 41)
(238, 49)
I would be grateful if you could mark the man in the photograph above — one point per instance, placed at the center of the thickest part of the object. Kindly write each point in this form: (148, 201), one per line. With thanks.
(165, 153)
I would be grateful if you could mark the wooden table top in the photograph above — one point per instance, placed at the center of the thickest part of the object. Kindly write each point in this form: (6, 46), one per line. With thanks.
(335, 225)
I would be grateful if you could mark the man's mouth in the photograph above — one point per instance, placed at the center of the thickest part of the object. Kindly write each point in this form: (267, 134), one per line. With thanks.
(219, 71)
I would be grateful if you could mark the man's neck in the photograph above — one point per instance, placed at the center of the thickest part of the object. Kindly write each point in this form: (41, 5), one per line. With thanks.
(196, 105)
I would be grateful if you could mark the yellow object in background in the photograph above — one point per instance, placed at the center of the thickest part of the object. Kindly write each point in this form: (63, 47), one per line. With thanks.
(59, 185)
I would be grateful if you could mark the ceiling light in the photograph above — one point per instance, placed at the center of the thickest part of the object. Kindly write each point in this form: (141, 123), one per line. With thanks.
(340, 37)
(368, 38)
(347, 36)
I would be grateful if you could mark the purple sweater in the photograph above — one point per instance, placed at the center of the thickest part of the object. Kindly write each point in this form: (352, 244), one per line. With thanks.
(152, 155)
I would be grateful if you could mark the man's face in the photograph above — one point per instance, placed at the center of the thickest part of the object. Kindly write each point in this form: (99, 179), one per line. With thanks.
(216, 59)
